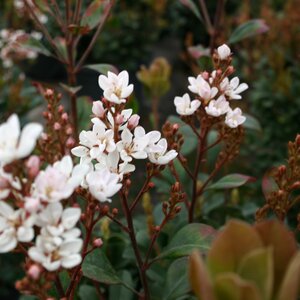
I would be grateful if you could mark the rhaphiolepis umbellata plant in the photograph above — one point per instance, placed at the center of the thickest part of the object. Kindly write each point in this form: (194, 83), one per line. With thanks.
(69, 202)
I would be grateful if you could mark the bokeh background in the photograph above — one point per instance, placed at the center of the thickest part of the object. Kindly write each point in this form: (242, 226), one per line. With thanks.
(137, 33)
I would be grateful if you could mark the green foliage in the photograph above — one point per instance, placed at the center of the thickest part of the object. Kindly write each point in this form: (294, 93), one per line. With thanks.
(248, 262)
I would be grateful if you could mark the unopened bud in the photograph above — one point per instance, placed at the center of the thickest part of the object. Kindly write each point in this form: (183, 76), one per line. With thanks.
(70, 142)
(219, 72)
(133, 121)
(157, 228)
(69, 131)
(151, 185)
(115, 211)
(175, 127)
(176, 187)
(4, 184)
(205, 75)
(60, 109)
(128, 182)
(177, 209)
(298, 139)
(49, 93)
(98, 109)
(33, 166)
(34, 272)
(57, 126)
(230, 70)
(281, 170)
(119, 119)
(105, 209)
(44, 136)
(295, 185)
(97, 243)
(65, 116)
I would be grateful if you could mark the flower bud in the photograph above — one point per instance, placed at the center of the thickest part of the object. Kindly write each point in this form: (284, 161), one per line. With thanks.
(119, 119)
(57, 126)
(33, 166)
(151, 185)
(97, 243)
(223, 52)
(31, 204)
(115, 211)
(205, 75)
(70, 142)
(34, 272)
(60, 109)
(98, 109)
(49, 93)
(69, 131)
(133, 121)
(4, 184)
(65, 116)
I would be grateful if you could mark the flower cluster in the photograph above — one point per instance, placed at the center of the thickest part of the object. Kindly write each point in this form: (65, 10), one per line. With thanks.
(31, 199)
(12, 48)
(214, 91)
(116, 140)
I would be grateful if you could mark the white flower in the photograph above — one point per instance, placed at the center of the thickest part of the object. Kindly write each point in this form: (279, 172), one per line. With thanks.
(162, 157)
(201, 87)
(234, 118)
(57, 221)
(103, 184)
(223, 52)
(55, 252)
(217, 107)
(132, 147)
(14, 144)
(58, 244)
(184, 105)
(15, 226)
(233, 88)
(59, 181)
(95, 142)
(8, 183)
(112, 163)
(115, 87)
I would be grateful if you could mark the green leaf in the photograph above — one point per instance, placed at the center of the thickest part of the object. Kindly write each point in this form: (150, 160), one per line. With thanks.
(97, 267)
(290, 286)
(231, 181)
(199, 277)
(177, 284)
(248, 29)
(275, 235)
(192, 6)
(121, 292)
(252, 123)
(190, 139)
(230, 286)
(257, 267)
(102, 68)
(87, 292)
(231, 245)
(92, 15)
(191, 237)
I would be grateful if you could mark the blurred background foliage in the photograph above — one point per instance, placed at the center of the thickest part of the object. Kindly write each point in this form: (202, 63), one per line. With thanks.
(139, 32)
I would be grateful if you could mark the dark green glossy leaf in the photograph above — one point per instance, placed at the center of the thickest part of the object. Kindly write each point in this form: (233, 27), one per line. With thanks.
(191, 237)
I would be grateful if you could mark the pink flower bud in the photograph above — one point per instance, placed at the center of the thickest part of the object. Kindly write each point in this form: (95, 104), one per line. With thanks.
(49, 93)
(33, 166)
(31, 204)
(119, 119)
(70, 142)
(98, 109)
(133, 121)
(57, 126)
(44, 136)
(69, 130)
(65, 116)
(34, 272)
(98, 243)
(60, 109)
(205, 75)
